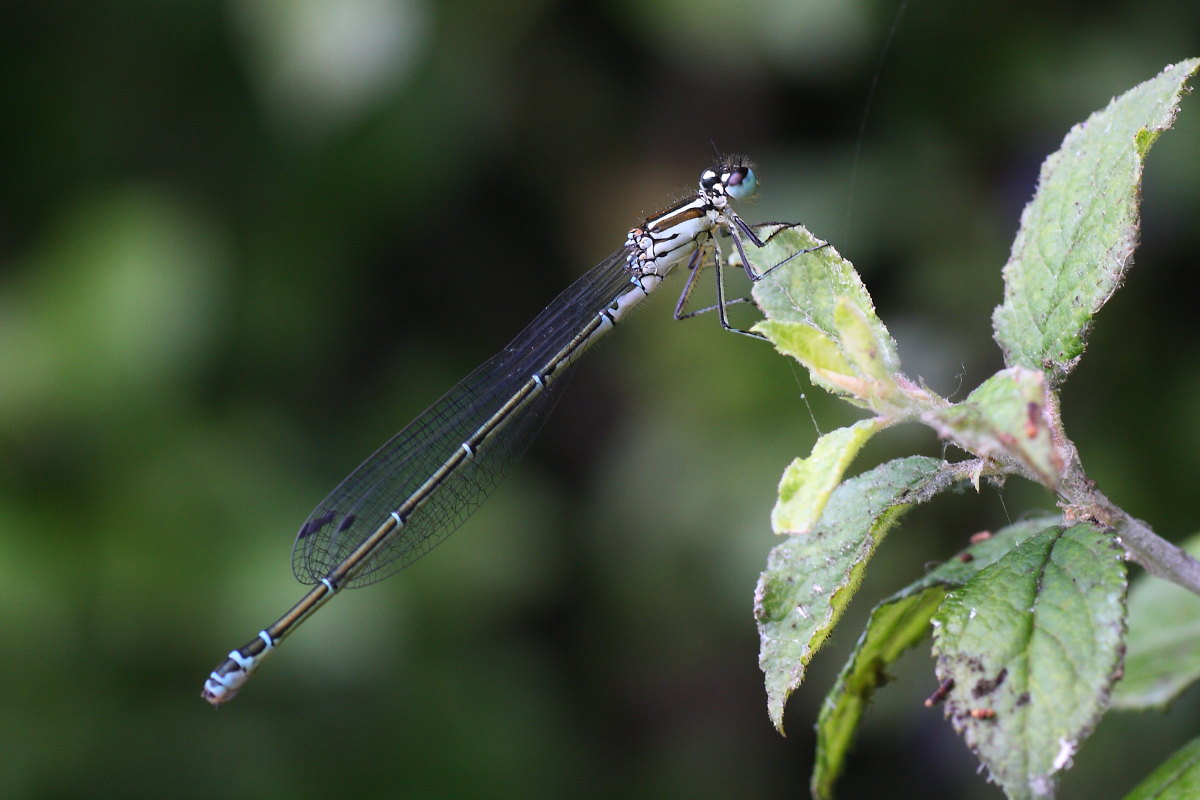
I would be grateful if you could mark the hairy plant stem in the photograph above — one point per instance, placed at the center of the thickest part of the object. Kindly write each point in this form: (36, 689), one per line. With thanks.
(1080, 499)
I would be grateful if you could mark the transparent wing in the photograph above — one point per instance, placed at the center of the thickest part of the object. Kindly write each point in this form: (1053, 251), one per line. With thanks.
(382, 483)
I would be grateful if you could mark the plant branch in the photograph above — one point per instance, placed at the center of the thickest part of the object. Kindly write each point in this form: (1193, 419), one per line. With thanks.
(1080, 499)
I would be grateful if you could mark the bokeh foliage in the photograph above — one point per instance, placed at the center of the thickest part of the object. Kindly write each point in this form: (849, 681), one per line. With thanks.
(242, 242)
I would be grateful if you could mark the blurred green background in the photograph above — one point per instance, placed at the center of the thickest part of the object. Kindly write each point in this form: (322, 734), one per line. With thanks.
(243, 242)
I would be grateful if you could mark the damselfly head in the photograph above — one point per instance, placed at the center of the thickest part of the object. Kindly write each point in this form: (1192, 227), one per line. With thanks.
(736, 180)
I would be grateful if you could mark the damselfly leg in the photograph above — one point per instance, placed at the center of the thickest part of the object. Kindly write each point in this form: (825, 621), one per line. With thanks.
(712, 253)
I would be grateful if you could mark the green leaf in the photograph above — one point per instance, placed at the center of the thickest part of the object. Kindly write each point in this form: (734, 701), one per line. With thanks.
(123, 298)
(1033, 646)
(811, 577)
(1077, 235)
(820, 353)
(1004, 417)
(1178, 778)
(818, 312)
(807, 482)
(1162, 650)
(897, 624)
(867, 348)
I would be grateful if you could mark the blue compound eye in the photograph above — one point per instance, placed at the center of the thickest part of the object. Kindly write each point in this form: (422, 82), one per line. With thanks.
(741, 183)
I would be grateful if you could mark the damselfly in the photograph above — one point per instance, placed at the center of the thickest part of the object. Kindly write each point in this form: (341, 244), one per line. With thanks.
(416, 489)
